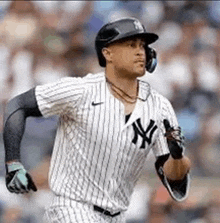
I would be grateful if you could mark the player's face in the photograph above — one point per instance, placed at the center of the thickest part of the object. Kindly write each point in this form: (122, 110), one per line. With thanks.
(129, 57)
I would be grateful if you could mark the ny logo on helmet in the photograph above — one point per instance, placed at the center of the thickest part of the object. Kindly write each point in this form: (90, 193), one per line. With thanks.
(138, 26)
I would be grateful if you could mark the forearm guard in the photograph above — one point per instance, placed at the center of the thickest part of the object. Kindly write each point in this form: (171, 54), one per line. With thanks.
(17, 110)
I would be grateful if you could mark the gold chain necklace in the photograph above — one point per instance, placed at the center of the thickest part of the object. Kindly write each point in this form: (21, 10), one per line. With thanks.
(123, 95)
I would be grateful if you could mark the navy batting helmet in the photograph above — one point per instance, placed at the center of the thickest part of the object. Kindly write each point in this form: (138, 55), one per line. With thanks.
(122, 29)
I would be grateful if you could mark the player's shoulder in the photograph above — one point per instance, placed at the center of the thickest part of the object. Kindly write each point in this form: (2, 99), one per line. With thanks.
(153, 93)
(88, 79)
(158, 95)
(94, 78)
(162, 101)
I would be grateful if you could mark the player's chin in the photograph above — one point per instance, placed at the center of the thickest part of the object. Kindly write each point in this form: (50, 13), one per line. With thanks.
(140, 71)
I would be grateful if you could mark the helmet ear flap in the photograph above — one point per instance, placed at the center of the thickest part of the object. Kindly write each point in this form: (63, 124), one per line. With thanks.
(151, 59)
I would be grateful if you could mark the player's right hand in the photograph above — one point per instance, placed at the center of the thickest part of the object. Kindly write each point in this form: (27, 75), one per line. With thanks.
(17, 179)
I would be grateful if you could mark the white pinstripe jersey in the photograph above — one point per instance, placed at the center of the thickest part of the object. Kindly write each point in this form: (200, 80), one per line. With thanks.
(97, 157)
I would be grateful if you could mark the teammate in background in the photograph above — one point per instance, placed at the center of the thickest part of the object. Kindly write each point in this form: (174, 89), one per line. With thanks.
(108, 124)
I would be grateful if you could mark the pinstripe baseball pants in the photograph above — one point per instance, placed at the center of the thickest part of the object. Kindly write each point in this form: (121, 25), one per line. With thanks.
(64, 210)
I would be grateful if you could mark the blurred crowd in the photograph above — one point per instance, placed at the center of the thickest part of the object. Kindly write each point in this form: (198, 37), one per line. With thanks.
(43, 41)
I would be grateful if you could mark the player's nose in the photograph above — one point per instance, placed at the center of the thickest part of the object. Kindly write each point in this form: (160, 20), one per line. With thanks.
(140, 51)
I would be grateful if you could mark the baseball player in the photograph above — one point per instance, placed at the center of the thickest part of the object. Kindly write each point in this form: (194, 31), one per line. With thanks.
(108, 123)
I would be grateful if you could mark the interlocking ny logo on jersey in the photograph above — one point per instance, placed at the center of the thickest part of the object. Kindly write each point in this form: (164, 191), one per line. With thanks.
(139, 131)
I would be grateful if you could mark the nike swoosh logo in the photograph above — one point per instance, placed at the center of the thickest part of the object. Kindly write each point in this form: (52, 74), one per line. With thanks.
(98, 103)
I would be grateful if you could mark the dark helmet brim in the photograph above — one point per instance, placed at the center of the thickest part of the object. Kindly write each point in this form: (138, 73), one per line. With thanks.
(149, 38)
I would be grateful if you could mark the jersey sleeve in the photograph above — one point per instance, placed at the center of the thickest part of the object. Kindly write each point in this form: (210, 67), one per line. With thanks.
(59, 97)
(178, 189)
(164, 111)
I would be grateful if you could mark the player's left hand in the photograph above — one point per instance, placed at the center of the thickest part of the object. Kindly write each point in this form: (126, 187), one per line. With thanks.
(174, 140)
(18, 180)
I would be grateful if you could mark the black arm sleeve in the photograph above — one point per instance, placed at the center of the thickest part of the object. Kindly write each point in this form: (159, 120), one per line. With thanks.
(17, 110)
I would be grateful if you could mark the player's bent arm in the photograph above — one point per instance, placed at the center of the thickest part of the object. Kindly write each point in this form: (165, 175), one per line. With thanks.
(178, 189)
(17, 110)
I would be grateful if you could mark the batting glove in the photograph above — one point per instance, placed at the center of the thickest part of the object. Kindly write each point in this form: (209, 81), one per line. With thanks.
(17, 179)
(174, 140)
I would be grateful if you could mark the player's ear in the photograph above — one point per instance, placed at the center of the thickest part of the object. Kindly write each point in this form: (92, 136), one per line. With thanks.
(107, 54)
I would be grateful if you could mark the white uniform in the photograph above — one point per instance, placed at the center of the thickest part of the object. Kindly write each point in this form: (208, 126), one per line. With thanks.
(97, 156)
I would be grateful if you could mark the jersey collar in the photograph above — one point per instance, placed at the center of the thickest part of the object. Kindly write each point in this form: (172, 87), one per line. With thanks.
(143, 94)
(144, 90)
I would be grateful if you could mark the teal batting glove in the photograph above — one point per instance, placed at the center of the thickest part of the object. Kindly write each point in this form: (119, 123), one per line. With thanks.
(18, 180)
